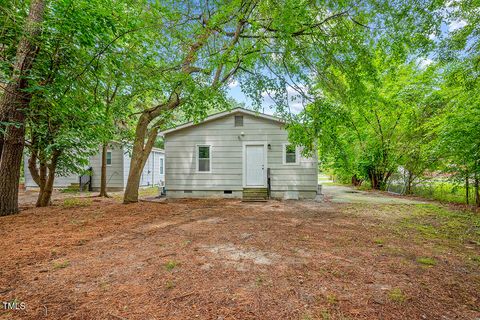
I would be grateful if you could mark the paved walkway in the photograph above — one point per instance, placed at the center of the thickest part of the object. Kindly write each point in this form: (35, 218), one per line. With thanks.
(344, 194)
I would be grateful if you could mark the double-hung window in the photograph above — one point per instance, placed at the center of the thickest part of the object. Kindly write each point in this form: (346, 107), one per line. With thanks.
(109, 158)
(204, 158)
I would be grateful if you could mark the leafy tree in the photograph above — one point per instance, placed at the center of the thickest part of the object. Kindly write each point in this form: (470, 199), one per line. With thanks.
(455, 132)
(15, 98)
(81, 45)
(366, 130)
(59, 142)
(203, 45)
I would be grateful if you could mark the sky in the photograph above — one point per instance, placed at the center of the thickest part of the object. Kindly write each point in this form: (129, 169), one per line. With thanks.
(234, 91)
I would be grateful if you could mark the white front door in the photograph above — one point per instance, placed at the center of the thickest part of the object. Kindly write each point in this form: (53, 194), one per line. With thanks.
(254, 166)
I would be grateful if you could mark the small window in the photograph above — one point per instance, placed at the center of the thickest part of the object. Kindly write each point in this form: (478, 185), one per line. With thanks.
(204, 157)
(290, 154)
(227, 192)
(161, 165)
(109, 158)
(238, 121)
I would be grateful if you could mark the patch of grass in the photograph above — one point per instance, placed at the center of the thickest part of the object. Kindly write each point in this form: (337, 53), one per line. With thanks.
(443, 191)
(259, 281)
(76, 202)
(117, 197)
(325, 315)
(426, 261)
(379, 242)
(364, 187)
(306, 317)
(435, 222)
(332, 299)
(397, 295)
(328, 183)
(77, 222)
(104, 285)
(170, 265)
(169, 285)
(148, 192)
(69, 190)
(61, 264)
(304, 238)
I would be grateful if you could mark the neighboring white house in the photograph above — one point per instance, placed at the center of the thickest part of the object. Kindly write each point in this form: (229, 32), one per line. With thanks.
(118, 166)
(234, 154)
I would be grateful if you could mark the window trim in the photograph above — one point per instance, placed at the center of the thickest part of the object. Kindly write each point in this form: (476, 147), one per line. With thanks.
(235, 120)
(197, 158)
(106, 158)
(162, 165)
(284, 155)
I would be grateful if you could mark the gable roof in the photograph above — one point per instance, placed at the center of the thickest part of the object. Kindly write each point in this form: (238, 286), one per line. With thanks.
(224, 114)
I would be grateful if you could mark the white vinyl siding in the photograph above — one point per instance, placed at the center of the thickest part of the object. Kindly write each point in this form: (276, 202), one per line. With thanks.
(118, 166)
(60, 181)
(114, 169)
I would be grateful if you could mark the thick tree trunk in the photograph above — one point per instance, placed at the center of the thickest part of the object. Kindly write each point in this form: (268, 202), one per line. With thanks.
(141, 149)
(140, 153)
(12, 106)
(44, 197)
(103, 177)
(46, 190)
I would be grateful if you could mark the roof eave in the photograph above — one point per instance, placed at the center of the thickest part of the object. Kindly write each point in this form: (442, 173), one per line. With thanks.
(221, 115)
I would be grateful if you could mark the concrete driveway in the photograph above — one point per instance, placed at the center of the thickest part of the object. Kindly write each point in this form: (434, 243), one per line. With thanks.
(344, 194)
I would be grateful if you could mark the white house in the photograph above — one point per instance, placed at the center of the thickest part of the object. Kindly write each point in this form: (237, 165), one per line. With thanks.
(118, 166)
(237, 153)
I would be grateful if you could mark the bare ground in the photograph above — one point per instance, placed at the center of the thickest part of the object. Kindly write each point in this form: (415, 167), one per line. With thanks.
(224, 259)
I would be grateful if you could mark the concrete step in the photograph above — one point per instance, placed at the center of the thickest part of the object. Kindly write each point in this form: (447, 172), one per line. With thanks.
(74, 187)
(255, 194)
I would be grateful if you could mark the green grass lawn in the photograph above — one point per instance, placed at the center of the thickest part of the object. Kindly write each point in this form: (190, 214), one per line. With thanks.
(443, 191)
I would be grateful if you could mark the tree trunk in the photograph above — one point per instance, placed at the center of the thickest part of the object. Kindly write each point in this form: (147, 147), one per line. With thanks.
(355, 181)
(374, 179)
(409, 183)
(477, 192)
(46, 190)
(140, 153)
(42, 181)
(141, 149)
(12, 106)
(467, 190)
(103, 178)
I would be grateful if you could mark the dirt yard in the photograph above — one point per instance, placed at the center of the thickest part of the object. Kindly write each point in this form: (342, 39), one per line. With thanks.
(86, 258)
